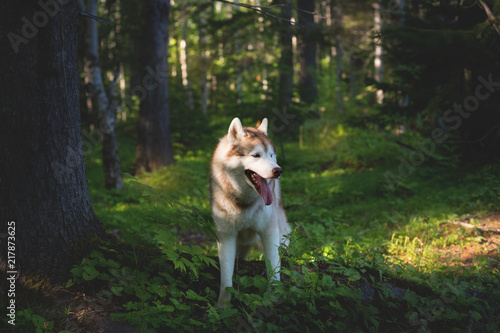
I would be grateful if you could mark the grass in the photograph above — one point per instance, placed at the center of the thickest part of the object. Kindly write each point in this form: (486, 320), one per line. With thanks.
(363, 257)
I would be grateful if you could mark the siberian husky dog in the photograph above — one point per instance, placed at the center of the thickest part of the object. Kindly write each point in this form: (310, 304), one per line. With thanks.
(246, 201)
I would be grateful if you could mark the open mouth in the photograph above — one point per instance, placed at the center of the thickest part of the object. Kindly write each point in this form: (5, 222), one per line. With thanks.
(261, 186)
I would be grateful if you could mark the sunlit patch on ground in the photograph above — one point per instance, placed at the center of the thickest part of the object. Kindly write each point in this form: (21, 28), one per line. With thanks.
(486, 229)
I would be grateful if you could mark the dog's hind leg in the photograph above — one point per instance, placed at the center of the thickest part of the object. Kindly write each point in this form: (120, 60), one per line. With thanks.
(243, 251)
(246, 239)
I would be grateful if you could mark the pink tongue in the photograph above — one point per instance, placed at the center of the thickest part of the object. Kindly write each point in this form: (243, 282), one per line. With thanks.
(265, 191)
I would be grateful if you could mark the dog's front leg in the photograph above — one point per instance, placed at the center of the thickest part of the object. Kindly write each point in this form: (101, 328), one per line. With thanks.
(271, 241)
(227, 255)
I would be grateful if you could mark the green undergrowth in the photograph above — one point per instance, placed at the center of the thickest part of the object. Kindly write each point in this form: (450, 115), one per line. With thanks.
(363, 256)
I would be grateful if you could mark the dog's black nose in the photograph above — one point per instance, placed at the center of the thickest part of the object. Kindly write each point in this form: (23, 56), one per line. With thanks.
(277, 172)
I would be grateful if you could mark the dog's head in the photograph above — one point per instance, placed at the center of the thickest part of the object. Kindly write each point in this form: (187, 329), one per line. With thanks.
(252, 153)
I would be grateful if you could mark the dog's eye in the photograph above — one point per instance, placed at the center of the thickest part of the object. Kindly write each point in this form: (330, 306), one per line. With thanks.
(256, 155)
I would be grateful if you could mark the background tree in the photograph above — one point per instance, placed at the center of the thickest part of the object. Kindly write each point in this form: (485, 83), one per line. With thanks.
(154, 147)
(307, 52)
(204, 53)
(103, 103)
(336, 14)
(237, 53)
(439, 57)
(378, 65)
(184, 59)
(43, 182)
(286, 58)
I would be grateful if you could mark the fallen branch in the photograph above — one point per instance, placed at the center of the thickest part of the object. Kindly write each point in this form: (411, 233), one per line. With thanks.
(472, 226)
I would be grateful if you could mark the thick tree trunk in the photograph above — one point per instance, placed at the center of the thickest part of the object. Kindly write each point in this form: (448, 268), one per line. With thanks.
(43, 184)
(103, 105)
(307, 54)
(154, 147)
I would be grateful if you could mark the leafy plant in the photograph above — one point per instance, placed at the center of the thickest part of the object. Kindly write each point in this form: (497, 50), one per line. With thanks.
(28, 320)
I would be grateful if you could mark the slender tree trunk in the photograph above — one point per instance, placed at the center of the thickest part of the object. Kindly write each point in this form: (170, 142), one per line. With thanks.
(134, 70)
(379, 68)
(184, 60)
(204, 53)
(307, 54)
(237, 51)
(154, 147)
(286, 59)
(336, 9)
(214, 96)
(103, 104)
(355, 69)
(131, 27)
(285, 68)
(403, 99)
(260, 47)
(43, 184)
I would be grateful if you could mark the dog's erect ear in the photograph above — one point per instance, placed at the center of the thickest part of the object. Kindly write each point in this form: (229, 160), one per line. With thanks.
(263, 126)
(235, 132)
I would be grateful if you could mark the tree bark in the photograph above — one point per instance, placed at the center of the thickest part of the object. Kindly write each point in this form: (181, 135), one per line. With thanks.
(307, 54)
(154, 147)
(43, 184)
(103, 105)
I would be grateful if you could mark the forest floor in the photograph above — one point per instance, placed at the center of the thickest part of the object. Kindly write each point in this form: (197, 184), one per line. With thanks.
(87, 311)
(468, 255)
(423, 256)
(95, 316)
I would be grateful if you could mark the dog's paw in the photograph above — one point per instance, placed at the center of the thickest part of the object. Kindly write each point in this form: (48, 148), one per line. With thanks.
(224, 298)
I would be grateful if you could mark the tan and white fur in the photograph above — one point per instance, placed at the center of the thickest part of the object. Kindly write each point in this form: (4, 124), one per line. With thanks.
(246, 200)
